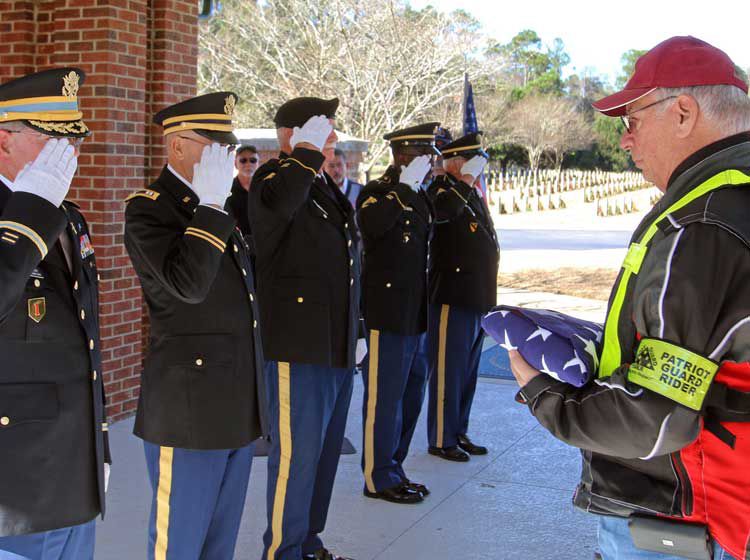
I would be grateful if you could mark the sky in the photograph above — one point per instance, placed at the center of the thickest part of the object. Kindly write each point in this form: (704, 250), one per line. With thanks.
(597, 33)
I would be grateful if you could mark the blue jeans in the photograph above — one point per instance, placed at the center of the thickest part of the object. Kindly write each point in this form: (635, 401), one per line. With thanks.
(615, 543)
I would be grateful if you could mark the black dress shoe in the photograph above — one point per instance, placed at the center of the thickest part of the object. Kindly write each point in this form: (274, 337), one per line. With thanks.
(465, 443)
(401, 494)
(324, 554)
(454, 453)
(421, 488)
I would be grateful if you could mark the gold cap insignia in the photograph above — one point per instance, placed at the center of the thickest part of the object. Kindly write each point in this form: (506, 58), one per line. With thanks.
(229, 104)
(70, 85)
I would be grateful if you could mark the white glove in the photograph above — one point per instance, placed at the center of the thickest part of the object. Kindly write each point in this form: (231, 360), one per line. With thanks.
(107, 470)
(414, 173)
(474, 167)
(213, 175)
(315, 131)
(50, 174)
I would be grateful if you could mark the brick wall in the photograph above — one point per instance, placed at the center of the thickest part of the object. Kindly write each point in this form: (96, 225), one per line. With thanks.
(138, 55)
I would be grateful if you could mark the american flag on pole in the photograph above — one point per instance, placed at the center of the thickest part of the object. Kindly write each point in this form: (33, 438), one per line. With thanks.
(470, 122)
(563, 347)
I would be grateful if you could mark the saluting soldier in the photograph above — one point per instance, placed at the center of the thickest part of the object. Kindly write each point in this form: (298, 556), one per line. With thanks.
(308, 285)
(53, 430)
(464, 260)
(395, 216)
(202, 389)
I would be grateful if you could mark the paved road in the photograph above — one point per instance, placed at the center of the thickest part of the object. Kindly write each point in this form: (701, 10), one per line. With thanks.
(567, 240)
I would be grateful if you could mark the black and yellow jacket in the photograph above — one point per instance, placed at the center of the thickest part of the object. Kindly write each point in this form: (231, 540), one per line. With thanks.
(664, 429)
(53, 431)
(202, 385)
(396, 225)
(464, 253)
(307, 262)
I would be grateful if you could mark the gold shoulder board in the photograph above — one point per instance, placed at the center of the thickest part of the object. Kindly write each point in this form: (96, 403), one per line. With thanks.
(146, 193)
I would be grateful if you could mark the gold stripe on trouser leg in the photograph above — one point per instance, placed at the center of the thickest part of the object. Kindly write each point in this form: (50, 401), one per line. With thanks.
(372, 401)
(285, 442)
(440, 404)
(163, 493)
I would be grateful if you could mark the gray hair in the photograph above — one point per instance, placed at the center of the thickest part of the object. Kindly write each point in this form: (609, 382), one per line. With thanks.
(13, 126)
(727, 107)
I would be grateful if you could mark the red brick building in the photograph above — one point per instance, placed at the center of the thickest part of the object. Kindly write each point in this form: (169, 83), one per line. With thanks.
(139, 55)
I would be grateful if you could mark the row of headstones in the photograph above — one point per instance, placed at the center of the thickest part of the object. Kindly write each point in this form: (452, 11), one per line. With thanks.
(550, 181)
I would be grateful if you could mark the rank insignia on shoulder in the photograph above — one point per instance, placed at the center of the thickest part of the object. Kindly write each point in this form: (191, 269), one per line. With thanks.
(37, 309)
(87, 249)
(269, 176)
(370, 200)
(146, 193)
(473, 226)
(441, 190)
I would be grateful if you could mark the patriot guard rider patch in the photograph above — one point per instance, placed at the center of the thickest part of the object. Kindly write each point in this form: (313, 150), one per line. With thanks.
(673, 372)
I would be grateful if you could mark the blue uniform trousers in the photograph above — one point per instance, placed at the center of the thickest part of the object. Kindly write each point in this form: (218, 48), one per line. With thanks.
(198, 498)
(455, 346)
(308, 407)
(69, 543)
(395, 377)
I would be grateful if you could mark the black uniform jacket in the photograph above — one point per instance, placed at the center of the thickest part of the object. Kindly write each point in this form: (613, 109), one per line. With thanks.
(237, 206)
(53, 439)
(396, 223)
(307, 262)
(465, 253)
(202, 384)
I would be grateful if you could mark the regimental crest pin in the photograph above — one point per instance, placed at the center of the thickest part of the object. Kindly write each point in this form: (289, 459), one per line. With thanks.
(229, 104)
(473, 226)
(70, 84)
(37, 309)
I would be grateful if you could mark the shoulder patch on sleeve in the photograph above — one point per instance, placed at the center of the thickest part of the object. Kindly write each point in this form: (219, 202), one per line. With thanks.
(145, 193)
(269, 176)
(673, 372)
(370, 200)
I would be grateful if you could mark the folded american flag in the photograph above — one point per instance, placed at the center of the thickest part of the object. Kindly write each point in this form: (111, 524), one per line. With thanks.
(565, 347)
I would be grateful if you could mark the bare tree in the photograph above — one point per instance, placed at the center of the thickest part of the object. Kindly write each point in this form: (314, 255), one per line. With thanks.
(543, 123)
(390, 66)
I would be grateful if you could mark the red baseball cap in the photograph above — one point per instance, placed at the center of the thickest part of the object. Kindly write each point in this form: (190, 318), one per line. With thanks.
(676, 62)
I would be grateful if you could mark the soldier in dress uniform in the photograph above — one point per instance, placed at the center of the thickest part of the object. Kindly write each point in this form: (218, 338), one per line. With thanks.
(308, 285)
(53, 430)
(395, 216)
(463, 287)
(202, 388)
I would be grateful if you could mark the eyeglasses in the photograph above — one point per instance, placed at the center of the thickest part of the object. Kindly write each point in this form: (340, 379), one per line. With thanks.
(626, 118)
(74, 141)
(230, 146)
(251, 160)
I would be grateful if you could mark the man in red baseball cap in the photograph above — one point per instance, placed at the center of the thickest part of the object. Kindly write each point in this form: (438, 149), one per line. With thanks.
(665, 427)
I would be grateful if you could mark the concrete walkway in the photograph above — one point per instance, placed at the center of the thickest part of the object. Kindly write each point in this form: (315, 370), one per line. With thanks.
(511, 504)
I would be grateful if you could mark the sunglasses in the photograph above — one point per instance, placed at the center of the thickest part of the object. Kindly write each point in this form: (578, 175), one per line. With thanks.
(248, 159)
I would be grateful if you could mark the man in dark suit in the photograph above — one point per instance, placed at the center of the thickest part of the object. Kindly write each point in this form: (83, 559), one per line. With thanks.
(308, 285)
(464, 260)
(396, 218)
(53, 430)
(202, 391)
(246, 163)
(337, 168)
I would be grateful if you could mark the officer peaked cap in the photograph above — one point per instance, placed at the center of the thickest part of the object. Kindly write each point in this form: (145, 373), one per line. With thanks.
(45, 101)
(421, 135)
(297, 111)
(466, 147)
(209, 115)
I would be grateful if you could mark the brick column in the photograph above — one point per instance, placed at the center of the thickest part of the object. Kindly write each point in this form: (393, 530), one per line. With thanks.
(138, 55)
